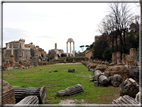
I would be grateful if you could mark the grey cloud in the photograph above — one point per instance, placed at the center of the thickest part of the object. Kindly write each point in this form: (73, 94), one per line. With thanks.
(13, 33)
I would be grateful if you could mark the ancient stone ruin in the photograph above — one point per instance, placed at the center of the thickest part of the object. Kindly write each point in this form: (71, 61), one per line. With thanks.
(8, 95)
(70, 91)
(117, 69)
(129, 87)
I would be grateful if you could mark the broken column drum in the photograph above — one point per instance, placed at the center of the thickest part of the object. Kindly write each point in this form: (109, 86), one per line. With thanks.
(115, 80)
(22, 92)
(129, 87)
(126, 100)
(29, 101)
(101, 78)
(70, 90)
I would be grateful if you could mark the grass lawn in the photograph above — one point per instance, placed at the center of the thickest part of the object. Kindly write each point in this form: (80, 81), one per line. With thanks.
(60, 80)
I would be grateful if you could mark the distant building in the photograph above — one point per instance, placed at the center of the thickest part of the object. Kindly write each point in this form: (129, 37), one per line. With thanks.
(88, 53)
(19, 47)
(56, 52)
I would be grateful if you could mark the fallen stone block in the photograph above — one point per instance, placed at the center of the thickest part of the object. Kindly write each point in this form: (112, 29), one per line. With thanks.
(101, 78)
(115, 80)
(22, 92)
(117, 69)
(70, 91)
(49, 71)
(55, 71)
(28, 101)
(126, 99)
(137, 98)
(101, 67)
(129, 87)
(71, 70)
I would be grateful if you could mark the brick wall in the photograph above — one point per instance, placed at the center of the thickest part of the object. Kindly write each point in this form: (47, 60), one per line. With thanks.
(88, 54)
(8, 95)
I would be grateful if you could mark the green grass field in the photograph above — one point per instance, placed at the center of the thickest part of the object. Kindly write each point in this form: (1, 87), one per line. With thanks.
(60, 80)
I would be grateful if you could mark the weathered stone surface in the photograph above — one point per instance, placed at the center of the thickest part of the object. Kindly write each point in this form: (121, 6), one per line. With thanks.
(71, 70)
(106, 63)
(29, 100)
(70, 91)
(102, 62)
(49, 71)
(137, 98)
(136, 60)
(40, 69)
(117, 69)
(22, 92)
(111, 64)
(101, 67)
(115, 80)
(129, 60)
(92, 65)
(126, 99)
(134, 73)
(93, 79)
(84, 63)
(8, 69)
(16, 67)
(96, 83)
(55, 71)
(129, 87)
(8, 96)
(24, 67)
(101, 78)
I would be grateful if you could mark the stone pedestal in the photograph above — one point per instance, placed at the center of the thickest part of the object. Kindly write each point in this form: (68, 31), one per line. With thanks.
(114, 58)
(118, 55)
(123, 59)
(20, 58)
(133, 52)
(12, 58)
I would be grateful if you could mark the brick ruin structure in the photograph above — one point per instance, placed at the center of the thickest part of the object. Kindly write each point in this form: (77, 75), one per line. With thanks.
(56, 52)
(126, 59)
(88, 54)
(8, 95)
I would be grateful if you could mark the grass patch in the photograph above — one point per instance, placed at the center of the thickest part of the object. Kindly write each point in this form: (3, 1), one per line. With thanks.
(60, 80)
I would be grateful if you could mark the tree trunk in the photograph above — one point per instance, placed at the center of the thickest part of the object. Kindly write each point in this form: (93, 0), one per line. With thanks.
(124, 43)
(121, 44)
(22, 92)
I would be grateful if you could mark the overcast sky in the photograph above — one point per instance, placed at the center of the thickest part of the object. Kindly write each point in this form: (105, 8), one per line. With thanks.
(45, 24)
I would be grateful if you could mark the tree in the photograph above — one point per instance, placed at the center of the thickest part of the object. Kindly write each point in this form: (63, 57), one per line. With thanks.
(99, 47)
(107, 54)
(63, 55)
(82, 47)
(132, 41)
(122, 16)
